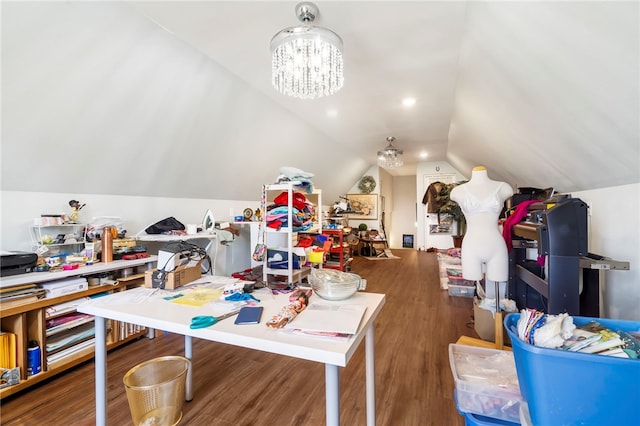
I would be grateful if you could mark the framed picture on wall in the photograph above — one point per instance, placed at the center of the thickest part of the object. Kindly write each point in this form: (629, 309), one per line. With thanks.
(442, 229)
(364, 206)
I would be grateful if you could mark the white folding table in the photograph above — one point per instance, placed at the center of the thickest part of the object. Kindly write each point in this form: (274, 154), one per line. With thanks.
(155, 313)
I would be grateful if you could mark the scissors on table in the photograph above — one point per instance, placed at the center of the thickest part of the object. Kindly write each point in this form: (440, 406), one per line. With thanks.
(203, 321)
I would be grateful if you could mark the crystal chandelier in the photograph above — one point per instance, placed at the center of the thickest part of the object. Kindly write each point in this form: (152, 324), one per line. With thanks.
(390, 157)
(306, 61)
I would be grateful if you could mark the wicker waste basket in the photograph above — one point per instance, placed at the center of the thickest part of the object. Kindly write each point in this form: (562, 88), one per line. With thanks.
(156, 391)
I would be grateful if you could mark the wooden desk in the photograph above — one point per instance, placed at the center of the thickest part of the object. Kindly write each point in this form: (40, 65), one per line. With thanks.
(154, 312)
(370, 243)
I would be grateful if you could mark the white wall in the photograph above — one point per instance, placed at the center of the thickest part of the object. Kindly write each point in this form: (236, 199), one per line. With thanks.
(404, 208)
(614, 232)
(19, 208)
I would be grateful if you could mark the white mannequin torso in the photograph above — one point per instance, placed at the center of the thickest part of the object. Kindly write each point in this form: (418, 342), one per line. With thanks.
(481, 200)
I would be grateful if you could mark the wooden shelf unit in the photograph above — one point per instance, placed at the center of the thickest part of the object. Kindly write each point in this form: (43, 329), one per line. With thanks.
(28, 321)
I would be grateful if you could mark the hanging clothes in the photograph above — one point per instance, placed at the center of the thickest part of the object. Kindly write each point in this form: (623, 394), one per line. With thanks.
(431, 197)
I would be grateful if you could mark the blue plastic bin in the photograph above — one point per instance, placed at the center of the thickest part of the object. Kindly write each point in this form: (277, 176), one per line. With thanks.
(471, 419)
(570, 388)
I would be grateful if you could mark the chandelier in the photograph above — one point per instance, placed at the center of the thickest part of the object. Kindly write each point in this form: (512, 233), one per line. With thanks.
(306, 61)
(390, 157)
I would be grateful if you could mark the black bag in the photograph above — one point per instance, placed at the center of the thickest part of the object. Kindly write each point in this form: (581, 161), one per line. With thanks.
(165, 225)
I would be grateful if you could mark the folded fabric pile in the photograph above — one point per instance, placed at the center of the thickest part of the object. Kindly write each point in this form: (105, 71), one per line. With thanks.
(302, 215)
(297, 176)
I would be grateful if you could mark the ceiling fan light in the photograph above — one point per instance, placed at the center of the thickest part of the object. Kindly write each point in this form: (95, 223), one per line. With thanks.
(306, 61)
(390, 157)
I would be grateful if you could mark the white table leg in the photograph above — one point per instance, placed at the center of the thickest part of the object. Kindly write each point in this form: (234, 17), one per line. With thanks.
(332, 394)
(101, 370)
(188, 353)
(371, 378)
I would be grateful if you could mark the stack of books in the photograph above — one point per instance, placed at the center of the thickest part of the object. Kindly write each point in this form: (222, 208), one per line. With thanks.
(20, 295)
(594, 338)
(7, 350)
(9, 372)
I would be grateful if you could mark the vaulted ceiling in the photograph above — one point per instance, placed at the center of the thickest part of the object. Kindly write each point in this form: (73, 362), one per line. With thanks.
(174, 98)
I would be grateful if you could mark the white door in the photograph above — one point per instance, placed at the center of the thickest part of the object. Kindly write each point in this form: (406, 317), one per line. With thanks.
(432, 239)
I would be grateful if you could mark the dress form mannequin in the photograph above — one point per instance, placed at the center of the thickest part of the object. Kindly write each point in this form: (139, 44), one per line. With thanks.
(481, 200)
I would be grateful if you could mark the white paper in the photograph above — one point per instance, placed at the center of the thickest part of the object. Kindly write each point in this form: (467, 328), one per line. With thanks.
(133, 296)
(331, 318)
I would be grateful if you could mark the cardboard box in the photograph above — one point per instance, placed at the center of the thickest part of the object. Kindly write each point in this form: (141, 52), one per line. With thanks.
(484, 323)
(179, 277)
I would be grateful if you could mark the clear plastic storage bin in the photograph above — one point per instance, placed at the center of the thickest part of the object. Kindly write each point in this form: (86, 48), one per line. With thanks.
(486, 382)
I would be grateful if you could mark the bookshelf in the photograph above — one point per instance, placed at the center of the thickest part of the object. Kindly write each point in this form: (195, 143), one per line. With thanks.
(36, 321)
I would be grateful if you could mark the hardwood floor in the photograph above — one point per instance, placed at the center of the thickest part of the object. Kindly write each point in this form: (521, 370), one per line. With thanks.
(236, 386)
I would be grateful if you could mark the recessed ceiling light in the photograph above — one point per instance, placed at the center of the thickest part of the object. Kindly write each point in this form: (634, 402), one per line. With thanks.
(408, 102)
(332, 112)
(424, 154)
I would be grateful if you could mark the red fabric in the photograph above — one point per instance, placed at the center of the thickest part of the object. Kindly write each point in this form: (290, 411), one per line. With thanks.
(518, 214)
(305, 242)
(276, 224)
(299, 200)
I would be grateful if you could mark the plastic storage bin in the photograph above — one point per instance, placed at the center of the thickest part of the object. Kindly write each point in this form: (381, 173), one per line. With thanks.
(471, 419)
(447, 262)
(569, 388)
(486, 382)
(156, 390)
(461, 288)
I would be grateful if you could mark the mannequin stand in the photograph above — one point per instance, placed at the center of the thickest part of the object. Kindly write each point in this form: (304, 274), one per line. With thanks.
(499, 335)
(498, 320)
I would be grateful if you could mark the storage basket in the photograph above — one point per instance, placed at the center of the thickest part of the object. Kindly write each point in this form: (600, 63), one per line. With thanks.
(571, 388)
(156, 391)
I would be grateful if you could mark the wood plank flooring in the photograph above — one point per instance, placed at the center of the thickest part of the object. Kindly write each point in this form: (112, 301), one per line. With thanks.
(236, 386)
